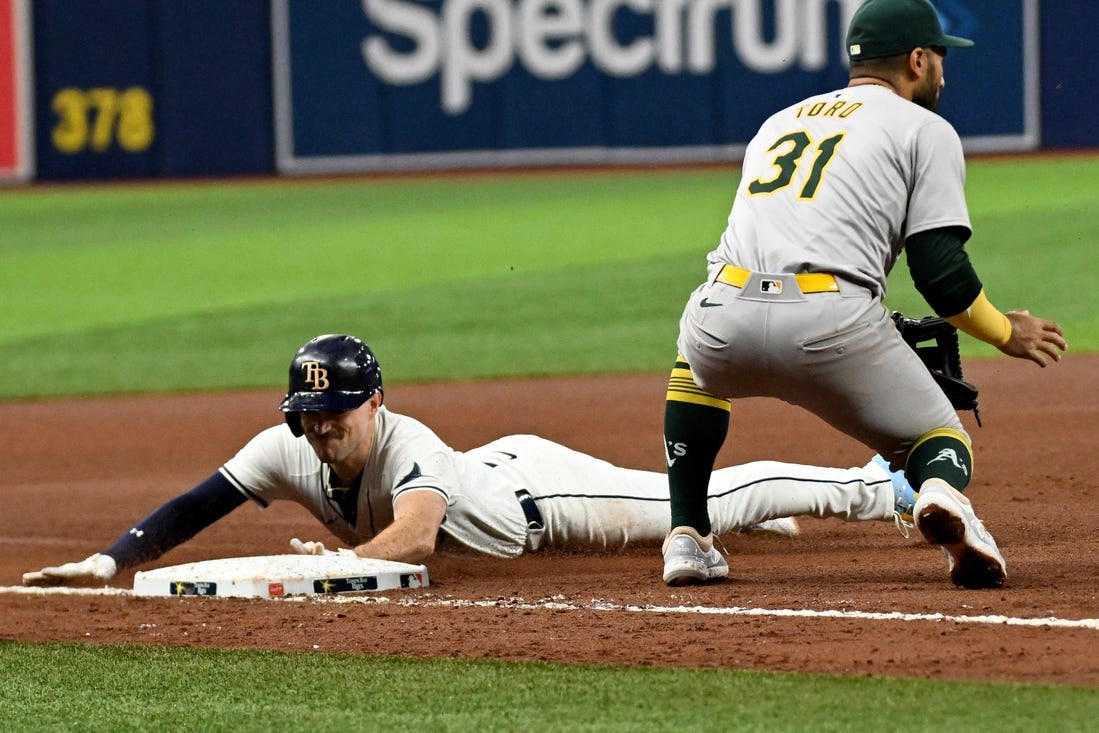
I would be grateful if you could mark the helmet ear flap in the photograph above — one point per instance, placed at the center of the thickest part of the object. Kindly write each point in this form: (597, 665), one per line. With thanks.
(293, 419)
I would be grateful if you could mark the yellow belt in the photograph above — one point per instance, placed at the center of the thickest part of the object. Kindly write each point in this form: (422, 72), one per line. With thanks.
(809, 282)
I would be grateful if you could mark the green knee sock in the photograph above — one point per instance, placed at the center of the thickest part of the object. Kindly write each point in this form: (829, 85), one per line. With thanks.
(695, 426)
(942, 455)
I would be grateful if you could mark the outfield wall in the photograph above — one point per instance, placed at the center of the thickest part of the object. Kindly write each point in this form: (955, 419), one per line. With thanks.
(151, 88)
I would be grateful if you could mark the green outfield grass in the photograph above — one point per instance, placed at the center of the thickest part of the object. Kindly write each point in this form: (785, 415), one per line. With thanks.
(90, 688)
(213, 285)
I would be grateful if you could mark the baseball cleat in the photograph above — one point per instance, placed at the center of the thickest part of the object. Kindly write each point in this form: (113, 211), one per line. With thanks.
(691, 558)
(945, 517)
(782, 526)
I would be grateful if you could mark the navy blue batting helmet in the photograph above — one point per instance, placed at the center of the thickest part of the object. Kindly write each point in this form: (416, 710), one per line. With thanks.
(330, 373)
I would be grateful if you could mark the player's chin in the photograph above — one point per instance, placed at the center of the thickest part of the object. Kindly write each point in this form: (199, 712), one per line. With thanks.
(327, 449)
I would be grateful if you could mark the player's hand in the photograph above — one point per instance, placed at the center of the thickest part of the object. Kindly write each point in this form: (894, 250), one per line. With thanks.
(93, 568)
(1034, 338)
(309, 548)
(317, 548)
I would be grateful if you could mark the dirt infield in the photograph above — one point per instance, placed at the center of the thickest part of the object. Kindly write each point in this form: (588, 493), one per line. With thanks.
(77, 473)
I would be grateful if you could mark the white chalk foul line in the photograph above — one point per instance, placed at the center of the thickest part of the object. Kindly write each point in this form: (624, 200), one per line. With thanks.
(62, 591)
(557, 603)
(595, 605)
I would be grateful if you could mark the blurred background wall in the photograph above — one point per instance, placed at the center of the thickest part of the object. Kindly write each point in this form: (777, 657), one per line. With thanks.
(118, 89)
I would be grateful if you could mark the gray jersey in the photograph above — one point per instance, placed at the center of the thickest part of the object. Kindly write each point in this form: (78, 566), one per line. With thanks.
(862, 168)
(831, 185)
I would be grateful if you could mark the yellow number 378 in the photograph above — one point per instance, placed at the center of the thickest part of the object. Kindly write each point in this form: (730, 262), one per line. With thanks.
(95, 118)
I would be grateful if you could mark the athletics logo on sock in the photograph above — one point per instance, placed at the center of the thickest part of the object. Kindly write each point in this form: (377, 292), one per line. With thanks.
(949, 454)
(678, 449)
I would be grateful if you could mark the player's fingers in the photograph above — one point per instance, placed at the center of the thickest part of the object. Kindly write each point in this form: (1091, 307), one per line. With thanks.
(306, 548)
(1042, 354)
(1055, 337)
(55, 576)
(97, 567)
(1051, 350)
(68, 570)
(39, 578)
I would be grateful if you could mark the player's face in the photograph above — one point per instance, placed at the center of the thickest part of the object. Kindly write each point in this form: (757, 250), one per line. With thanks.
(342, 439)
(932, 83)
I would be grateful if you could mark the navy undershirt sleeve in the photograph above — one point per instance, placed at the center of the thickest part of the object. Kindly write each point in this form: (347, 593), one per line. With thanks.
(176, 521)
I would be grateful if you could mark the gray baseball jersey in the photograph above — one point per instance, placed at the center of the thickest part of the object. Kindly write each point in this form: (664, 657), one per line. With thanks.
(833, 185)
(837, 182)
(584, 501)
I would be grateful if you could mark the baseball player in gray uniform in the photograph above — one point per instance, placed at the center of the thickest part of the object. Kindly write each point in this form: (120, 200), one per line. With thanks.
(832, 188)
(387, 486)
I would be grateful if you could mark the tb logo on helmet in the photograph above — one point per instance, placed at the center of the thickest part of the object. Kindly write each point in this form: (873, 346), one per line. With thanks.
(335, 372)
(315, 375)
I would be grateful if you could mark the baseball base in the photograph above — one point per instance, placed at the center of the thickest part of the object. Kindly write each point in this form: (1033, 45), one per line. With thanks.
(277, 576)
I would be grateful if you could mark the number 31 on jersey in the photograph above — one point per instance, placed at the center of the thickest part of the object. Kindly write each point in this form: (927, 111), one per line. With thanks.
(788, 151)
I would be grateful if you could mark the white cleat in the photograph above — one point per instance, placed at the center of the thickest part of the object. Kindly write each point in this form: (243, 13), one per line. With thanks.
(691, 558)
(945, 517)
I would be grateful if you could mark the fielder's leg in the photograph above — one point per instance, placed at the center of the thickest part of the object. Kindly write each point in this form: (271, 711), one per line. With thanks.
(695, 425)
(941, 464)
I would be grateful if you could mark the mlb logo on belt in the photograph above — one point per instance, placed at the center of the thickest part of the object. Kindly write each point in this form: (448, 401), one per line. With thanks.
(774, 287)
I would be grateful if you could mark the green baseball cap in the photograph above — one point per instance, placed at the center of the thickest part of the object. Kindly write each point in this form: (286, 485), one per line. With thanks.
(892, 27)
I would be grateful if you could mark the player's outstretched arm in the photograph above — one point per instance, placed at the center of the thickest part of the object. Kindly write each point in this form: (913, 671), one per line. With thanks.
(942, 272)
(172, 524)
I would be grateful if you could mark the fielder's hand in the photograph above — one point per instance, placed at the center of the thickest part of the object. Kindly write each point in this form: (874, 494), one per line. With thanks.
(317, 548)
(1034, 338)
(93, 568)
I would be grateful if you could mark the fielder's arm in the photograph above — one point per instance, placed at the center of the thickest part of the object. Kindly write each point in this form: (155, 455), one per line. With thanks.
(1016, 333)
(942, 272)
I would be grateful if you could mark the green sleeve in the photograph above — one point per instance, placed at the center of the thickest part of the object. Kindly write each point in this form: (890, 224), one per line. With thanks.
(941, 269)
